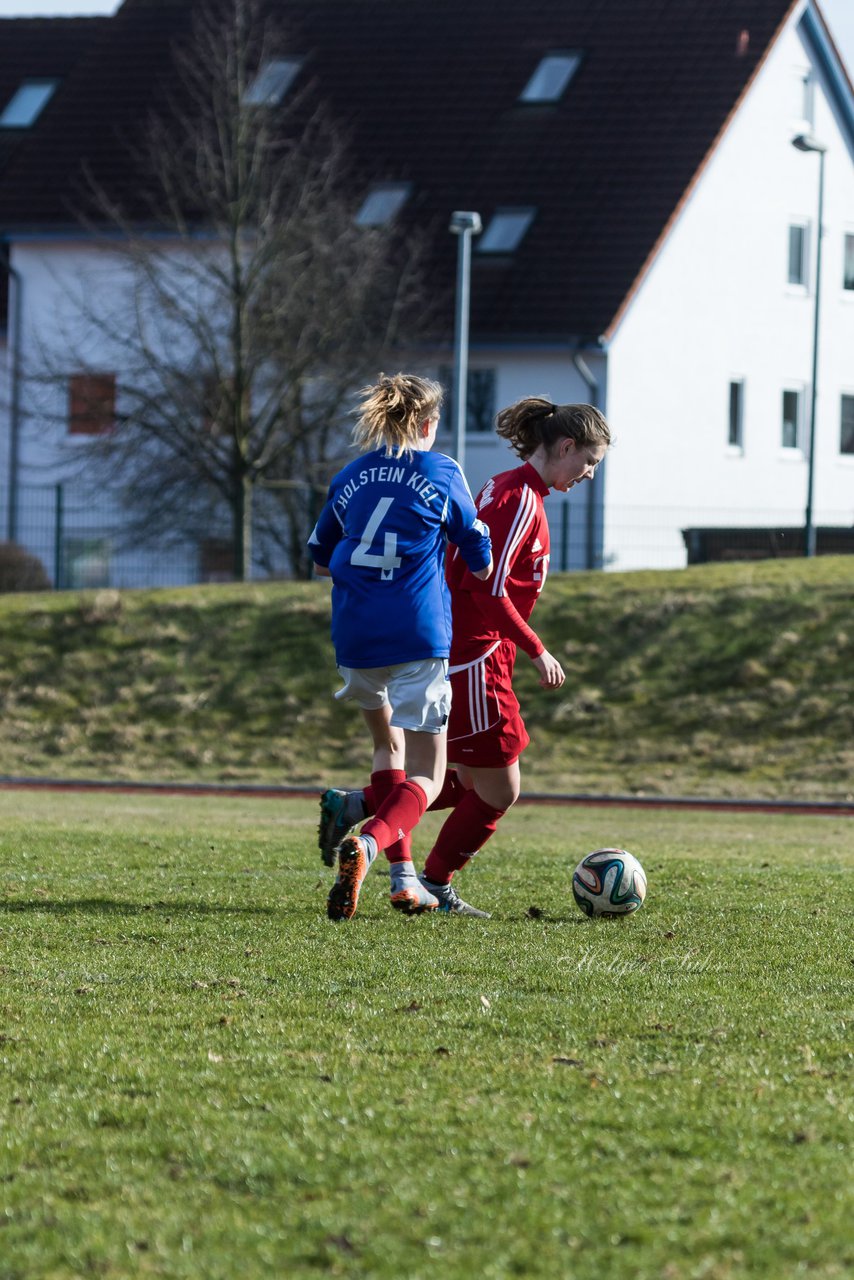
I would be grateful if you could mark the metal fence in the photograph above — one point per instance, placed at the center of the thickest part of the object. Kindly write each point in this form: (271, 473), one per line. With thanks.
(80, 539)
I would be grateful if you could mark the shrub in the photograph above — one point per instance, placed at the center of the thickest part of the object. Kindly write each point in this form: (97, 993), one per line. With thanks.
(20, 570)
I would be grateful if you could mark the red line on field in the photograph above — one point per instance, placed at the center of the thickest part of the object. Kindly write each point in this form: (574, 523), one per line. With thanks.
(826, 808)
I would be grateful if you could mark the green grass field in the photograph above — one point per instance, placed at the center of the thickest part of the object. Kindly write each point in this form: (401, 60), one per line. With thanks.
(203, 1077)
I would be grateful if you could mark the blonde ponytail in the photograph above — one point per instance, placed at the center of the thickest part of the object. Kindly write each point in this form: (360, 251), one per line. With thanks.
(392, 412)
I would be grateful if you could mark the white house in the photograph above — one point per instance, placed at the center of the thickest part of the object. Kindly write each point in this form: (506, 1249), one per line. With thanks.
(650, 243)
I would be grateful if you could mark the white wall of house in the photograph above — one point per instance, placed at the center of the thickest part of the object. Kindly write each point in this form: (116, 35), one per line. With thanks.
(716, 307)
(64, 518)
(519, 374)
(71, 526)
(58, 277)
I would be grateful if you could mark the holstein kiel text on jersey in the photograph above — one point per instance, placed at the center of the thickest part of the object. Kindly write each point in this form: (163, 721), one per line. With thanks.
(387, 475)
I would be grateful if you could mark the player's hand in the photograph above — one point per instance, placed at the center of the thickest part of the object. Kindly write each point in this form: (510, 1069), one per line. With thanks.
(551, 672)
(484, 573)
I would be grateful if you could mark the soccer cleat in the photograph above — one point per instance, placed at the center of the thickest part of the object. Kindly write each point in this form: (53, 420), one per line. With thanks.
(355, 855)
(450, 900)
(339, 813)
(412, 898)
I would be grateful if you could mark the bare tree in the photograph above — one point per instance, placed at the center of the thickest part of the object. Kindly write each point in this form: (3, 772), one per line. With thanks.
(253, 304)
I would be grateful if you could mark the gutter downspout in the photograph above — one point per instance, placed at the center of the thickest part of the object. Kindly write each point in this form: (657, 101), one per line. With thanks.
(14, 327)
(592, 557)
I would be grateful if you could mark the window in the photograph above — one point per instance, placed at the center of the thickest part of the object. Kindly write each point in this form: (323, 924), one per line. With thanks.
(480, 399)
(91, 404)
(272, 82)
(848, 262)
(505, 231)
(27, 103)
(216, 560)
(736, 415)
(808, 98)
(791, 438)
(551, 77)
(846, 425)
(798, 254)
(85, 563)
(382, 203)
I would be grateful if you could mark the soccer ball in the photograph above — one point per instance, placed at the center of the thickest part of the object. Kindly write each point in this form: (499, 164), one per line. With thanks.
(609, 882)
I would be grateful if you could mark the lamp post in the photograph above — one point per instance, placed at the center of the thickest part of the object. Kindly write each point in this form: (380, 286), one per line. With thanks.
(806, 142)
(465, 225)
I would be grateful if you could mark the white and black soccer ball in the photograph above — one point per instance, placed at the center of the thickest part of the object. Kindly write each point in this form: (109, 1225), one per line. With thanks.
(609, 882)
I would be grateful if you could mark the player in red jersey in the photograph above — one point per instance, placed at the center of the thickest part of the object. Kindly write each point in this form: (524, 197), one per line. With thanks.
(560, 446)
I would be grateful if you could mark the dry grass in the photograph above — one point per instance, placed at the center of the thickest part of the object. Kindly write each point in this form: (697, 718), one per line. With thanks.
(719, 680)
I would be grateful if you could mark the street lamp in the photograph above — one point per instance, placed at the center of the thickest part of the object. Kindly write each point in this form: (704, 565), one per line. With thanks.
(806, 142)
(465, 225)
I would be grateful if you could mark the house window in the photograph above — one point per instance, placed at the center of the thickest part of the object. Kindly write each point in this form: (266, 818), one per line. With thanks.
(505, 231)
(382, 203)
(736, 415)
(91, 404)
(85, 563)
(216, 560)
(551, 78)
(848, 262)
(846, 425)
(480, 399)
(27, 103)
(791, 435)
(808, 98)
(797, 253)
(272, 82)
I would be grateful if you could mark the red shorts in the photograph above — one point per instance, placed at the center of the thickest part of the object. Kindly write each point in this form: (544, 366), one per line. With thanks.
(485, 728)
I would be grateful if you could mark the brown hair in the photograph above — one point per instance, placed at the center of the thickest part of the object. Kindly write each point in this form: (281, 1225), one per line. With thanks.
(535, 420)
(391, 412)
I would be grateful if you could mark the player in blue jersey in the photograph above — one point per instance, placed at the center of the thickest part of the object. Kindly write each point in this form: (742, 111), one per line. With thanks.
(381, 536)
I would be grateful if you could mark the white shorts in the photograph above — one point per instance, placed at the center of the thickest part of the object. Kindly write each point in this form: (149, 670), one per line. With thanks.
(419, 692)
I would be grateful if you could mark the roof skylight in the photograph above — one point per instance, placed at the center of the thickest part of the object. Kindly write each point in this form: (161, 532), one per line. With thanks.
(272, 81)
(382, 203)
(551, 77)
(27, 103)
(505, 231)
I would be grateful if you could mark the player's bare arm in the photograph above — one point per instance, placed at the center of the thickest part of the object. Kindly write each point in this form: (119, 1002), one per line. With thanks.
(551, 672)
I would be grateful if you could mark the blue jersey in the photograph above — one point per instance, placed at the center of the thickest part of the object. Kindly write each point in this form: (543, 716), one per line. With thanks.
(382, 534)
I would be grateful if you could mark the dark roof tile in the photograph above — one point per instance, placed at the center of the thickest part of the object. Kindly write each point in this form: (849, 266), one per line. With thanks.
(39, 49)
(429, 92)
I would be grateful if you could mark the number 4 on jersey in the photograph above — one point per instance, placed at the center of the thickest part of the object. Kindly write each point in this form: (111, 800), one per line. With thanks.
(363, 556)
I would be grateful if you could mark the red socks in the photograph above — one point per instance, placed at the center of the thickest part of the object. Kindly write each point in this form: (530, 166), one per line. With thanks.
(451, 794)
(398, 814)
(383, 782)
(465, 831)
(399, 806)
(448, 798)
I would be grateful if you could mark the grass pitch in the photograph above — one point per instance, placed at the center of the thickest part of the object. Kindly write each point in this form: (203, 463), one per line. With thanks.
(203, 1077)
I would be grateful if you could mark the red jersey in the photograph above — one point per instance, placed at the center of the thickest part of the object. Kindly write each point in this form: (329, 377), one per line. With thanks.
(511, 506)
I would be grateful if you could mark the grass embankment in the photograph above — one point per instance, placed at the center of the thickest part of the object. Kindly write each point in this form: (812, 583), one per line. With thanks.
(717, 680)
(202, 1078)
